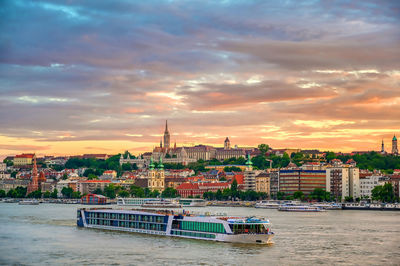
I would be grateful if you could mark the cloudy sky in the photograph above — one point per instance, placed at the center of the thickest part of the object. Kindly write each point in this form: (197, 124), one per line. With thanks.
(103, 76)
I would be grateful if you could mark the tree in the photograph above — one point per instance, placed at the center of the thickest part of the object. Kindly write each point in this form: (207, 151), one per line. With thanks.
(54, 194)
(218, 195)
(67, 192)
(383, 193)
(298, 195)
(348, 199)
(126, 167)
(92, 177)
(76, 195)
(65, 176)
(123, 194)
(98, 191)
(232, 169)
(320, 194)
(137, 192)
(2, 193)
(109, 191)
(155, 193)
(234, 189)
(280, 195)
(169, 192)
(264, 148)
(46, 194)
(37, 194)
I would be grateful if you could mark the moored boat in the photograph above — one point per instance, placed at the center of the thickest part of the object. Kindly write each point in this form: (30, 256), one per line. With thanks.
(299, 208)
(192, 202)
(149, 202)
(267, 204)
(185, 225)
(328, 206)
(28, 202)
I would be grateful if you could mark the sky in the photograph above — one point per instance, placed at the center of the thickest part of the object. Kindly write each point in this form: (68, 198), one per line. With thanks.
(103, 76)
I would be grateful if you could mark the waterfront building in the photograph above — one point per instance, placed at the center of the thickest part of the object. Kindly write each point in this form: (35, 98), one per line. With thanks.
(249, 176)
(395, 181)
(306, 181)
(3, 167)
(274, 182)
(368, 183)
(88, 186)
(8, 184)
(23, 159)
(198, 189)
(263, 183)
(94, 199)
(395, 150)
(343, 181)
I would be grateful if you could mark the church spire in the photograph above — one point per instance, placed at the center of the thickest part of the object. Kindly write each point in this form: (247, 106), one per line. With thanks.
(166, 136)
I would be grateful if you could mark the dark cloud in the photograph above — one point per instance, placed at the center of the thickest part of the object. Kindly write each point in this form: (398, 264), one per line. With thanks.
(101, 70)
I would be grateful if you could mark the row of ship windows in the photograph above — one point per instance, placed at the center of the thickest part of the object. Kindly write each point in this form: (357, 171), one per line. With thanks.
(192, 234)
(129, 217)
(136, 225)
(201, 226)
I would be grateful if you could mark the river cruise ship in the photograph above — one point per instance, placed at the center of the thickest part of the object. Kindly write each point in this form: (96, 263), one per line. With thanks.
(149, 202)
(168, 223)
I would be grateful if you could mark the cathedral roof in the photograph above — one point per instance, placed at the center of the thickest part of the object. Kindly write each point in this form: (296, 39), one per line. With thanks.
(394, 137)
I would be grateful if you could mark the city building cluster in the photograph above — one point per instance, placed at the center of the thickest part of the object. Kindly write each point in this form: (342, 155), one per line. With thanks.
(343, 180)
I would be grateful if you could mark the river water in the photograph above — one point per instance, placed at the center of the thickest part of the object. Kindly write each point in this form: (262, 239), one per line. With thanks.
(47, 235)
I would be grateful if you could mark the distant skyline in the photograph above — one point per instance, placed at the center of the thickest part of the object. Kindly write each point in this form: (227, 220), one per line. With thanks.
(103, 76)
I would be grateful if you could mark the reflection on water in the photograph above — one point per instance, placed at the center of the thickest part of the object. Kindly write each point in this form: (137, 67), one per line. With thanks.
(47, 234)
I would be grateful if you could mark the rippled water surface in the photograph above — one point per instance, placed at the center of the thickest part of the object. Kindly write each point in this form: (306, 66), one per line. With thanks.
(47, 235)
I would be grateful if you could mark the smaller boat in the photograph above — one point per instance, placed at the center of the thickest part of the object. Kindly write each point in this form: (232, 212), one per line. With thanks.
(267, 204)
(328, 206)
(193, 202)
(161, 203)
(29, 202)
(299, 208)
(148, 202)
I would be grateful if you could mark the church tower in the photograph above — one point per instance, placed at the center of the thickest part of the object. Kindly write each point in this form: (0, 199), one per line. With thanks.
(34, 184)
(383, 148)
(227, 144)
(395, 150)
(166, 136)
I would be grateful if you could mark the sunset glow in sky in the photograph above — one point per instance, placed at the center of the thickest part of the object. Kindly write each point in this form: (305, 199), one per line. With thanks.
(103, 76)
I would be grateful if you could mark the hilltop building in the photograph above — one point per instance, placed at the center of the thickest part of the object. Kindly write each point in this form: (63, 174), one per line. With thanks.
(395, 150)
(23, 159)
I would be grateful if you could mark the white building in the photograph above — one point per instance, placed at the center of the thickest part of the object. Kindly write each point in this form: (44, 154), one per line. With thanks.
(368, 183)
(3, 167)
(343, 181)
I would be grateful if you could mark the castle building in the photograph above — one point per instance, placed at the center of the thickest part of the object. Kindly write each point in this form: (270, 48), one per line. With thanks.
(395, 150)
(166, 136)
